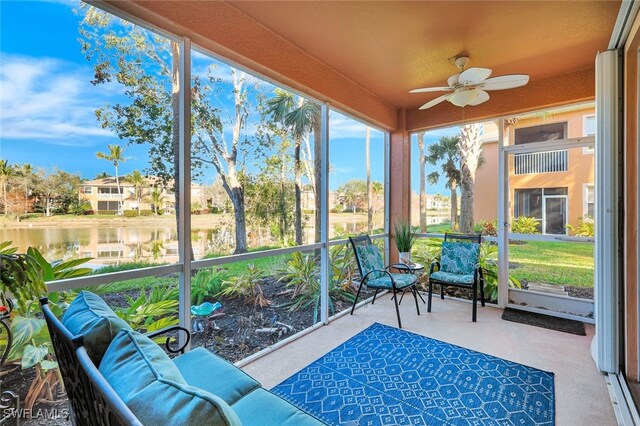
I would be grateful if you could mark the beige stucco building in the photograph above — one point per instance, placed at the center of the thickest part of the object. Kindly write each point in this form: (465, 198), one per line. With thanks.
(556, 186)
(103, 195)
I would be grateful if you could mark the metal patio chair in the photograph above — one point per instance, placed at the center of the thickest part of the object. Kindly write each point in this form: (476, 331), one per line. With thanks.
(459, 266)
(375, 275)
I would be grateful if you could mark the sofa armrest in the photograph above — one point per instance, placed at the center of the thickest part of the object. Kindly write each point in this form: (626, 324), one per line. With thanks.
(167, 343)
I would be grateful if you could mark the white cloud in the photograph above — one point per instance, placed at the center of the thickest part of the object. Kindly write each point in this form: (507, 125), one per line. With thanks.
(49, 99)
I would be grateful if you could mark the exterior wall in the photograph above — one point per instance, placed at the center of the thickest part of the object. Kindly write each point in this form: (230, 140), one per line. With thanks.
(580, 171)
(485, 197)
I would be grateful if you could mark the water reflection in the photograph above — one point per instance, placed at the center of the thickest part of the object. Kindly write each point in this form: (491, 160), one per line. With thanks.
(112, 245)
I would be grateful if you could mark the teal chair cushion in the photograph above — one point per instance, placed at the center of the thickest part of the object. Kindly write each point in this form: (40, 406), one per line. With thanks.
(261, 407)
(448, 277)
(459, 258)
(220, 377)
(153, 388)
(370, 259)
(401, 280)
(90, 316)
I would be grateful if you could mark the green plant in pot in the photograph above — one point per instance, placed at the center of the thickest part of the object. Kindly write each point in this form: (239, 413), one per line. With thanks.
(405, 238)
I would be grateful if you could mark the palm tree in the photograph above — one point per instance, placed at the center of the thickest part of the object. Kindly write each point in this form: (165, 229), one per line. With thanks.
(471, 159)
(138, 181)
(445, 152)
(156, 197)
(423, 194)
(6, 173)
(377, 188)
(298, 116)
(115, 156)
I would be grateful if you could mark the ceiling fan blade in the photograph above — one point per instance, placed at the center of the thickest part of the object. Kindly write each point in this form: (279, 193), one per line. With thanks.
(436, 101)
(505, 82)
(431, 89)
(482, 97)
(474, 76)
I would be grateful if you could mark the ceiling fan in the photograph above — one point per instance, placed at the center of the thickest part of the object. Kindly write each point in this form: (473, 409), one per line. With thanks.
(469, 86)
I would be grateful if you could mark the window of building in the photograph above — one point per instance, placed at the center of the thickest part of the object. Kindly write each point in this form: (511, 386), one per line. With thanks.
(108, 205)
(87, 190)
(547, 205)
(589, 200)
(588, 129)
(541, 133)
(110, 190)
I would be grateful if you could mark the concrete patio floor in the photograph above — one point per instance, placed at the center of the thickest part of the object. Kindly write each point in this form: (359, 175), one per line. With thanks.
(582, 397)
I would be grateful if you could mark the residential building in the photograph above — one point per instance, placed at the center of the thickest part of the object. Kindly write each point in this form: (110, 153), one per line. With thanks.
(104, 196)
(557, 186)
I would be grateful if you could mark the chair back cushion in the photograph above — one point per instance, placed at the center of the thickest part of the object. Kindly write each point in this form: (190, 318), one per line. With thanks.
(90, 316)
(370, 259)
(459, 258)
(151, 385)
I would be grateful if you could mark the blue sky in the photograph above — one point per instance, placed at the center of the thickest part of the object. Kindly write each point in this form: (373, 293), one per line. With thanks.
(47, 104)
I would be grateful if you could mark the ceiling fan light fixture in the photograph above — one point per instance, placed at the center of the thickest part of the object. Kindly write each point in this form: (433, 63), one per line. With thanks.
(463, 97)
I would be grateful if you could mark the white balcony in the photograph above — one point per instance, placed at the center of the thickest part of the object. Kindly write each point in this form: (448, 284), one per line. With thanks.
(541, 162)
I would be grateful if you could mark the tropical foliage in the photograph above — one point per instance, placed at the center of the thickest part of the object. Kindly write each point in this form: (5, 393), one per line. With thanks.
(585, 228)
(525, 225)
(405, 237)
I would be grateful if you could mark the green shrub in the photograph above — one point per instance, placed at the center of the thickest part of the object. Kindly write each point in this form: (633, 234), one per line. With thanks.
(489, 227)
(525, 225)
(107, 212)
(205, 283)
(246, 285)
(130, 213)
(151, 312)
(405, 237)
(586, 227)
(490, 271)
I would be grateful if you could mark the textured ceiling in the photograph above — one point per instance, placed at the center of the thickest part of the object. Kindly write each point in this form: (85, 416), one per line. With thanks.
(391, 47)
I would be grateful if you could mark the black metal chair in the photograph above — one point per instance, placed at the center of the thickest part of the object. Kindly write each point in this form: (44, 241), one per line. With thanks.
(459, 266)
(375, 275)
(93, 401)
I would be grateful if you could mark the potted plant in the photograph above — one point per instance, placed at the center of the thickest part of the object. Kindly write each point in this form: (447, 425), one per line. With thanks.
(405, 238)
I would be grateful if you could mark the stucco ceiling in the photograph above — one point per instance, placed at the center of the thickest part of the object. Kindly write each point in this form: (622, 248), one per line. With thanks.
(391, 47)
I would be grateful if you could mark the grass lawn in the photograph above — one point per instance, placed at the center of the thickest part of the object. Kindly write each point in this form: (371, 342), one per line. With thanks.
(230, 269)
(557, 263)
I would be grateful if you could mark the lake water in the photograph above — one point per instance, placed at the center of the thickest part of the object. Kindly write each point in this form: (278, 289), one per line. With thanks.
(109, 245)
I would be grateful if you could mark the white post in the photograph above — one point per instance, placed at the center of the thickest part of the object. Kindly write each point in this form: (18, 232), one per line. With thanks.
(503, 219)
(325, 267)
(607, 256)
(184, 183)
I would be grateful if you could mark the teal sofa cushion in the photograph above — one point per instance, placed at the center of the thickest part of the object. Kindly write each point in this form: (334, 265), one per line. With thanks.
(209, 372)
(153, 388)
(261, 407)
(90, 316)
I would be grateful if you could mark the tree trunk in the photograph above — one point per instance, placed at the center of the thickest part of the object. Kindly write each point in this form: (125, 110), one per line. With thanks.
(423, 193)
(4, 196)
(317, 160)
(470, 152)
(369, 188)
(298, 192)
(454, 205)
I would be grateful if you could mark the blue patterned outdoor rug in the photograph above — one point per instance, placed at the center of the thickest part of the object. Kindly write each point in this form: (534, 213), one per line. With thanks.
(387, 376)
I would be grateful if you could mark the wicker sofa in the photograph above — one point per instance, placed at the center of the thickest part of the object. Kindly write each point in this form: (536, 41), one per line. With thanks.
(116, 376)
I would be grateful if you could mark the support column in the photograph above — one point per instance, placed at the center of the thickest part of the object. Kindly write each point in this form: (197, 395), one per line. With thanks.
(184, 183)
(325, 267)
(503, 219)
(399, 180)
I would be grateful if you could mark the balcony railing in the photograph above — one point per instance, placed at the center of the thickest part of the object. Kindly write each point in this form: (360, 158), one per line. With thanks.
(541, 162)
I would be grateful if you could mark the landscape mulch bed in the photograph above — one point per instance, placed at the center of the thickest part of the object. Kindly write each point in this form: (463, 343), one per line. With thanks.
(544, 321)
